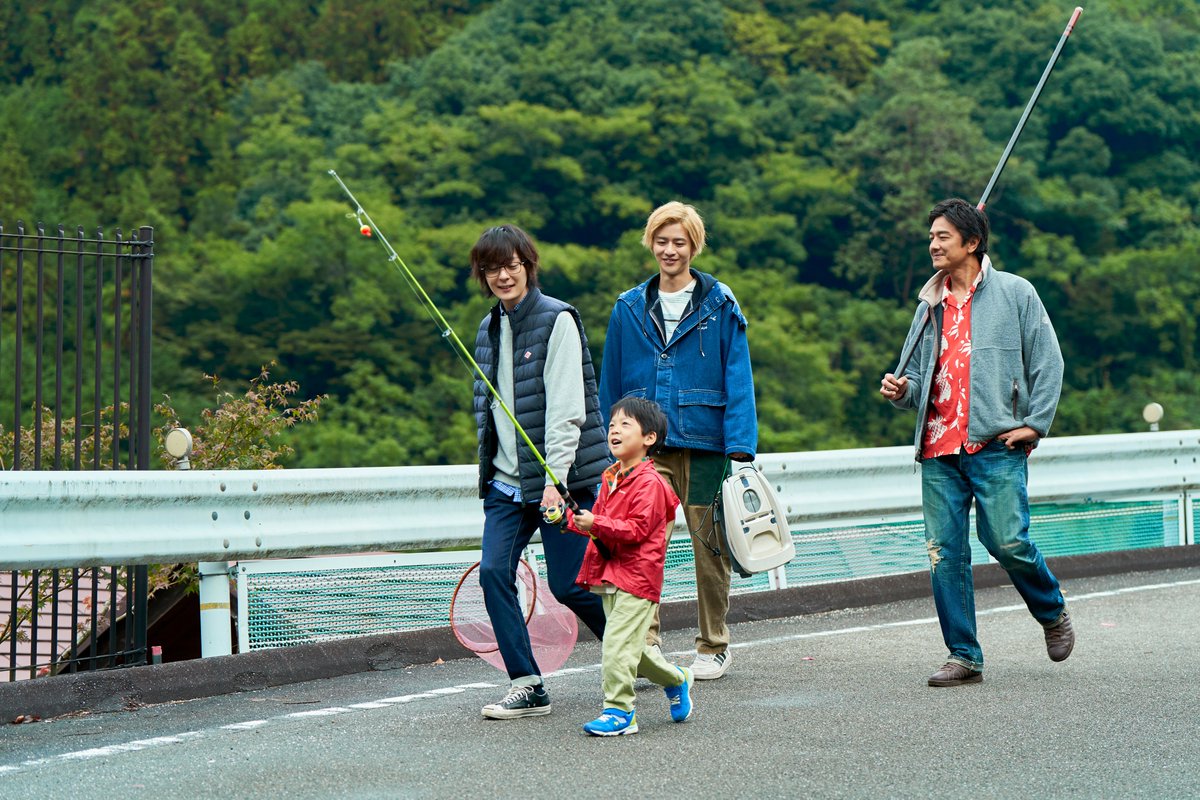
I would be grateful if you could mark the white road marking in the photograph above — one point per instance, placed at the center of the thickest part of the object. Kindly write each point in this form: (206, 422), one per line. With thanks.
(317, 712)
(245, 726)
(385, 702)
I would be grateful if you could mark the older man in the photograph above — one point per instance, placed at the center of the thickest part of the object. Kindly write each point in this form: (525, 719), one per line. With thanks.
(985, 380)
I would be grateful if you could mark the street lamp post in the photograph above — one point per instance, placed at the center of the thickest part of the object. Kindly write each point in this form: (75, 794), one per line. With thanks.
(216, 632)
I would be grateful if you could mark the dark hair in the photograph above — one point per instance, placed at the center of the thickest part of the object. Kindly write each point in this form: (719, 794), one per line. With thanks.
(645, 413)
(967, 219)
(497, 246)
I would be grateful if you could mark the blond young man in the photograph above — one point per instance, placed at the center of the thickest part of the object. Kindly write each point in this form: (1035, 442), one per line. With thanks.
(679, 339)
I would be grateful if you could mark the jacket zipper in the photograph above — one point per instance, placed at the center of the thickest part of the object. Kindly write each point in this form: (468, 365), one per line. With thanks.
(663, 334)
(1014, 398)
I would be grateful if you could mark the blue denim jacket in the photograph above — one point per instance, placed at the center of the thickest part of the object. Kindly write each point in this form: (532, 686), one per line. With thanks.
(701, 378)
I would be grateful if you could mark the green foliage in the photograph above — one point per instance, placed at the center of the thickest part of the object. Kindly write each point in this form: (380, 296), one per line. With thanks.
(846, 46)
(240, 431)
(813, 137)
(51, 444)
(915, 140)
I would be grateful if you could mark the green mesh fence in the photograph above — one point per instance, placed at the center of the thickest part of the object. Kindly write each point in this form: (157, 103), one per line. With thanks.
(339, 603)
(868, 551)
(286, 608)
(1062, 530)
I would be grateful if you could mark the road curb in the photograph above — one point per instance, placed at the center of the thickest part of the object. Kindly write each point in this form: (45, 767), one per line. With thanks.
(129, 689)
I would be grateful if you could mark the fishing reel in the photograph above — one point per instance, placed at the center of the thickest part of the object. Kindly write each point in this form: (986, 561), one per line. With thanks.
(554, 514)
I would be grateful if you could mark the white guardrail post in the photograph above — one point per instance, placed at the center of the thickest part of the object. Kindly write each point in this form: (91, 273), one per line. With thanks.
(216, 631)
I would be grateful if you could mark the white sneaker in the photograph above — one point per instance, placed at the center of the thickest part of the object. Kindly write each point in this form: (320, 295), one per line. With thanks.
(708, 667)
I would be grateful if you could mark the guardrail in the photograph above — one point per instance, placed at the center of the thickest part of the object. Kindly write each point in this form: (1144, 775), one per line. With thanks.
(80, 519)
(853, 513)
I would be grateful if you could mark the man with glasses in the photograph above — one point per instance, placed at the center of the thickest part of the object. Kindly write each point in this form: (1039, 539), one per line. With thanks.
(533, 349)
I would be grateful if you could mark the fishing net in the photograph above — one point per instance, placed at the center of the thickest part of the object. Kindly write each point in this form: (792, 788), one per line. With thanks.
(552, 626)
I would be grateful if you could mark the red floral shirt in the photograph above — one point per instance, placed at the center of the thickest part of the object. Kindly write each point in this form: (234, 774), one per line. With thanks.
(950, 396)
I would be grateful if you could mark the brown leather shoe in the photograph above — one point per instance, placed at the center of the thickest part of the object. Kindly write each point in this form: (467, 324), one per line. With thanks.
(954, 674)
(1060, 638)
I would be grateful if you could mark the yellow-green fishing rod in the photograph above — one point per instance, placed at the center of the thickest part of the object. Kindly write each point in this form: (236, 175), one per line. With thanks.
(367, 227)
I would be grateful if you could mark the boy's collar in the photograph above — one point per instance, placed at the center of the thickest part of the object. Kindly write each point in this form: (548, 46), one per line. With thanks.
(615, 473)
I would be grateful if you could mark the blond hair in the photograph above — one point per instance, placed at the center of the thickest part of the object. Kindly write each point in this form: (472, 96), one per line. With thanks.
(671, 213)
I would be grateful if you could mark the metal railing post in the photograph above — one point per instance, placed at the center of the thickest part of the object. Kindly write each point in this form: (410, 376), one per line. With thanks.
(1189, 517)
(144, 249)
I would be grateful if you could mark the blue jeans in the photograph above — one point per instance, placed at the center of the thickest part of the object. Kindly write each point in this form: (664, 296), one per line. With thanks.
(507, 529)
(996, 478)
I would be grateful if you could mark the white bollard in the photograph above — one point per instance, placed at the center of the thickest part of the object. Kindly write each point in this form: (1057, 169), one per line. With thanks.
(216, 632)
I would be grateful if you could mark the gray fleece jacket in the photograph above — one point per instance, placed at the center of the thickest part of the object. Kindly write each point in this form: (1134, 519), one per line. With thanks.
(1016, 364)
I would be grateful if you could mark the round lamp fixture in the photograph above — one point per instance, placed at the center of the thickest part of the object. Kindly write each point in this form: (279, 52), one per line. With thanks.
(178, 443)
(1152, 413)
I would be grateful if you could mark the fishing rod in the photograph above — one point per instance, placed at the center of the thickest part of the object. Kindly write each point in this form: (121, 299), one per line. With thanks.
(987, 192)
(367, 227)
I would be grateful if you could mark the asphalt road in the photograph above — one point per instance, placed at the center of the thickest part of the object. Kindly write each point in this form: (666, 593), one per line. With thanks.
(830, 706)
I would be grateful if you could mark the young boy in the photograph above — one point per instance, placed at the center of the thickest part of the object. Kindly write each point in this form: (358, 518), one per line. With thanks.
(631, 517)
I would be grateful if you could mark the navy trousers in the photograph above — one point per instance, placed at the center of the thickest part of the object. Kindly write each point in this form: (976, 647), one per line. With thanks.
(507, 529)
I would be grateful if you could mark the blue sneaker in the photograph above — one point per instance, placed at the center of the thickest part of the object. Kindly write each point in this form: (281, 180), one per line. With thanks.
(681, 697)
(613, 722)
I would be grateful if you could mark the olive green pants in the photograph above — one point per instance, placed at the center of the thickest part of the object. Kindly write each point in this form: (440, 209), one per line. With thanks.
(625, 654)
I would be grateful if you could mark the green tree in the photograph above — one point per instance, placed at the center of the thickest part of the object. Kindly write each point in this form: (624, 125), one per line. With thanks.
(914, 143)
(846, 46)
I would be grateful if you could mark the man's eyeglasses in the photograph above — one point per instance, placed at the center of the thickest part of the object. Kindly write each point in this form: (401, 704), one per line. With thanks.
(514, 268)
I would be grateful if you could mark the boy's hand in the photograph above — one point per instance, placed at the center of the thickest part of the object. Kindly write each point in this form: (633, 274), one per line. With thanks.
(584, 520)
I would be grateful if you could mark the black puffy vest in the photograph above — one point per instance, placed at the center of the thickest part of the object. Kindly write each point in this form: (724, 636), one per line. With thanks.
(532, 325)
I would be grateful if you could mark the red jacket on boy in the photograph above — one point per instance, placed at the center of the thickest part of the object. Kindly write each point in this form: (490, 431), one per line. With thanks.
(632, 521)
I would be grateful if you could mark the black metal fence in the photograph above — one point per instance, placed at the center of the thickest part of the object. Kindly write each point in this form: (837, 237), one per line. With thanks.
(75, 355)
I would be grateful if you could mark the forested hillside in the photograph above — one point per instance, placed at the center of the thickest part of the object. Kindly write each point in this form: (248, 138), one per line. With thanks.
(813, 136)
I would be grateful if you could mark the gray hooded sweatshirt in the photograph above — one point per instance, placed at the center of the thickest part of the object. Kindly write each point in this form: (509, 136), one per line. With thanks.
(1016, 364)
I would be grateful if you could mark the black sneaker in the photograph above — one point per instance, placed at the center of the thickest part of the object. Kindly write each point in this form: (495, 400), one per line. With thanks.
(521, 701)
